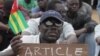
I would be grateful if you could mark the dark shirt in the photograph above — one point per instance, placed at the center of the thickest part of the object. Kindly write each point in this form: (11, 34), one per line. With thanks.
(79, 21)
(6, 36)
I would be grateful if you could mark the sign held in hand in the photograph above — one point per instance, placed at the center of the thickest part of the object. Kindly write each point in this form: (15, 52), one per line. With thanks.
(54, 50)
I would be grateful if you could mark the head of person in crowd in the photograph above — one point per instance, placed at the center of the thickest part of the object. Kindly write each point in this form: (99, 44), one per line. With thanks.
(50, 26)
(42, 4)
(73, 5)
(27, 1)
(7, 7)
(57, 5)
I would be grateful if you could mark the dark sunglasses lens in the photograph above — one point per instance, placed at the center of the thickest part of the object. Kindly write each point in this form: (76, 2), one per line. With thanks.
(49, 23)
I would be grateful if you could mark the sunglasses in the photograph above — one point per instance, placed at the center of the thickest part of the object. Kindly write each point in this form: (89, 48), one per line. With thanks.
(53, 23)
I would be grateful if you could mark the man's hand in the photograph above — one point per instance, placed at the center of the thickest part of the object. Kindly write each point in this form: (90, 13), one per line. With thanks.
(16, 44)
(90, 26)
(98, 40)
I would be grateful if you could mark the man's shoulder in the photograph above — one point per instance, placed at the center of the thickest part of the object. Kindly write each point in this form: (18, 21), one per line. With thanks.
(66, 23)
(34, 20)
(86, 4)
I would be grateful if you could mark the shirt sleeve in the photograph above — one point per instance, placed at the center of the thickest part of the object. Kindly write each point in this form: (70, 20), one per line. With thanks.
(68, 30)
(33, 27)
(97, 31)
(7, 52)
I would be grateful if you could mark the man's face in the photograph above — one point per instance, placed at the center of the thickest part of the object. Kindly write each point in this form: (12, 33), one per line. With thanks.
(73, 5)
(51, 29)
(42, 3)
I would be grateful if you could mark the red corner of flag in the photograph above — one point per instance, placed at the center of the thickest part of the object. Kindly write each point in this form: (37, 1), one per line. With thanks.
(14, 6)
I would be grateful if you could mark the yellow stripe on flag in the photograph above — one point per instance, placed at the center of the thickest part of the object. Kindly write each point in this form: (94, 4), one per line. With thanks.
(13, 24)
(19, 21)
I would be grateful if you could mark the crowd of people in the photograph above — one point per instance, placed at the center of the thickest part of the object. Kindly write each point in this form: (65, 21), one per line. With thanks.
(50, 21)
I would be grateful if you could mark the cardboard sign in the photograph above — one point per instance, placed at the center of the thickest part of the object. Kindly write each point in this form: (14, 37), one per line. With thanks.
(54, 50)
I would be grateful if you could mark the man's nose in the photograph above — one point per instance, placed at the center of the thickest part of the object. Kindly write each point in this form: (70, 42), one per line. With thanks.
(74, 6)
(53, 28)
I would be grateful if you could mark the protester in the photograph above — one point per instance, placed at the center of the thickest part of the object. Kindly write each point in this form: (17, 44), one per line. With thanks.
(50, 28)
(38, 11)
(59, 6)
(82, 24)
(5, 33)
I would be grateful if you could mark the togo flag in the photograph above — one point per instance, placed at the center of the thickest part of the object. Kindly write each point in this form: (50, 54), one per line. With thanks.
(17, 21)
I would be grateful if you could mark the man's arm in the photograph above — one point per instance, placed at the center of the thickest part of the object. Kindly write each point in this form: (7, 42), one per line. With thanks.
(7, 53)
(98, 40)
(14, 48)
(69, 34)
(71, 39)
(3, 26)
(80, 31)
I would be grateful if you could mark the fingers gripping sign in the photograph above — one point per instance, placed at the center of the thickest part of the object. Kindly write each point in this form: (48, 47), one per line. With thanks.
(16, 44)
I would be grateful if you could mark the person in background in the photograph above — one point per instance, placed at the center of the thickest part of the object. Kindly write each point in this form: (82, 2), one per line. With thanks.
(28, 4)
(25, 6)
(85, 8)
(57, 5)
(82, 24)
(5, 33)
(38, 11)
(50, 28)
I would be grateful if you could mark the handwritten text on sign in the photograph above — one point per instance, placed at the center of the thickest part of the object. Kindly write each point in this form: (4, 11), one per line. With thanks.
(54, 50)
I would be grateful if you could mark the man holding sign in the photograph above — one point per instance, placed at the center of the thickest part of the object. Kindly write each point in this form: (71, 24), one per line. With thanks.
(50, 29)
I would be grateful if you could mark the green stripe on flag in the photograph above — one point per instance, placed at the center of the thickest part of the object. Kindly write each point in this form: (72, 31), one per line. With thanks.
(12, 25)
(17, 22)
(23, 19)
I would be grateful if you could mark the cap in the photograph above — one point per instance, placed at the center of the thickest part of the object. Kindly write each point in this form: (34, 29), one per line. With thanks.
(51, 13)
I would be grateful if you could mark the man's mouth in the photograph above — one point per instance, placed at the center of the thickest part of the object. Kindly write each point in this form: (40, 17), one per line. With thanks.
(52, 34)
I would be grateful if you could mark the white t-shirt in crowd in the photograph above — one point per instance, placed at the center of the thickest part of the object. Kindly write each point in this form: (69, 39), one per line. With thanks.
(97, 34)
(97, 31)
(33, 28)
